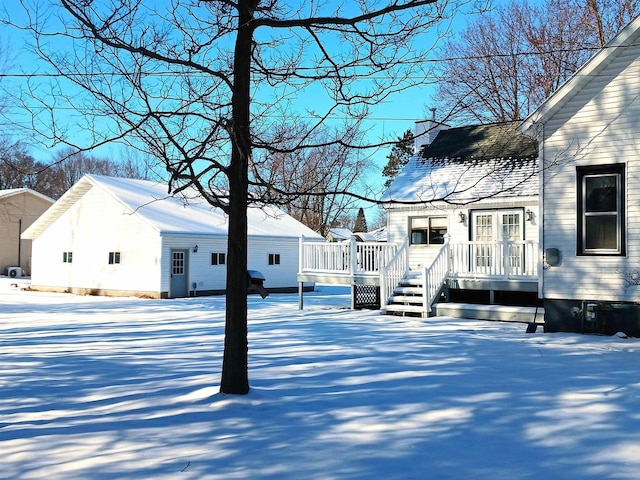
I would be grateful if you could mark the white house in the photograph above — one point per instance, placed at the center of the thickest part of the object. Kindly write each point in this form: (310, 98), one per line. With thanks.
(115, 236)
(589, 142)
(462, 219)
(19, 208)
(475, 183)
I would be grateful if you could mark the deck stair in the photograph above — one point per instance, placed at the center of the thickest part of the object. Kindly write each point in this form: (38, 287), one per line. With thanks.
(407, 298)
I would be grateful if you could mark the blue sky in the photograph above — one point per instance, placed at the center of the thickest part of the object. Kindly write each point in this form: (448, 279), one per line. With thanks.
(389, 119)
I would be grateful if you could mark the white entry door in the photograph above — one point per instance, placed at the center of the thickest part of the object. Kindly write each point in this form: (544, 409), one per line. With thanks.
(488, 229)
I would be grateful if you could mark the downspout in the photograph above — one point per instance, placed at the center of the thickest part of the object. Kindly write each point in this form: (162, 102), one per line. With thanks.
(541, 160)
(19, 243)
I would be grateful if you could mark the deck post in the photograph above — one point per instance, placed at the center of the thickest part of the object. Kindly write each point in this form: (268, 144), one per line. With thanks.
(505, 255)
(300, 295)
(301, 254)
(425, 291)
(353, 296)
(353, 252)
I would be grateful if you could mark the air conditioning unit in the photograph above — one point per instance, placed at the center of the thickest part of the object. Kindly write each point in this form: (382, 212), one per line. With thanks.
(14, 272)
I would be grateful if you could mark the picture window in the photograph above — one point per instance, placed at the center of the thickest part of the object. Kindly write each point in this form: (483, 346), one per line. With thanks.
(428, 230)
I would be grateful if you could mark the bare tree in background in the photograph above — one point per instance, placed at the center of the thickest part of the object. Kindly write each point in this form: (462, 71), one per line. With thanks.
(69, 165)
(296, 176)
(19, 169)
(198, 84)
(507, 61)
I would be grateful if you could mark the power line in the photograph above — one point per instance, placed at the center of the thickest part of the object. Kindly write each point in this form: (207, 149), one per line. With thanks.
(372, 77)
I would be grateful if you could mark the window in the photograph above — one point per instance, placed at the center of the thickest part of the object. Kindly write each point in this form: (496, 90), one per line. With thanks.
(601, 223)
(428, 230)
(218, 258)
(274, 259)
(67, 257)
(114, 257)
(177, 262)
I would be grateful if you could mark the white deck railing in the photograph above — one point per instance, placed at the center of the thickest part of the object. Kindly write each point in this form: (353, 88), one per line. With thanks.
(392, 272)
(345, 258)
(434, 276)
(505, 259)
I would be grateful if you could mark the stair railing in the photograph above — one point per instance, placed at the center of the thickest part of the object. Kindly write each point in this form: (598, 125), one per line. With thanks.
(434, 275)
(392, 272)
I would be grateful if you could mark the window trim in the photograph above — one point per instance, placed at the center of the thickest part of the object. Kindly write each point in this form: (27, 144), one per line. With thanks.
(601, 170)
(273, 259)
(220, 259)
(427, 219)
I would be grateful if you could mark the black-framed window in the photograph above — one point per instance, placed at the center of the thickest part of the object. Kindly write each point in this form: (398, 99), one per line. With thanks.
(218, 258)
(114, 258)
(427, 230)
(274, 259)
(601, 210)
(67, 257)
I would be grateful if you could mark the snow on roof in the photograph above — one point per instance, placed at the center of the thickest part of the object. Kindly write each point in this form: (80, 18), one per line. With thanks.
(338, 234)
(466, 164)
(6, 193)
(169, 214)
(380, 234)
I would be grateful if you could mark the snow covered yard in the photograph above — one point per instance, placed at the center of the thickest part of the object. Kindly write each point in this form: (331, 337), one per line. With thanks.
(123, 388)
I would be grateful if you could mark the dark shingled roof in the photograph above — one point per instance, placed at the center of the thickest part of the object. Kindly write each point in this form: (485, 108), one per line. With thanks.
(467, 164)
(481, 142)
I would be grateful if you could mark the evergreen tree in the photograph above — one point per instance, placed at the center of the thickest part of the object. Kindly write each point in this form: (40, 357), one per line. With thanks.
(400, 154)
(361, 222)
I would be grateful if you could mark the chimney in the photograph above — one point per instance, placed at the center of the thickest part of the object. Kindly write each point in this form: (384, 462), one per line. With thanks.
(426, 130)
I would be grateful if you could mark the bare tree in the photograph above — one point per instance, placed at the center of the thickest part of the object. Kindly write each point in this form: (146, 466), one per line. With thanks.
(295, 176)
(507, 61)
(19, 169)
(198, 84)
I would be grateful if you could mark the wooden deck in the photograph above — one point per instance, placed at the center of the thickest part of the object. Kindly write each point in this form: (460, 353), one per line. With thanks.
(504, 265)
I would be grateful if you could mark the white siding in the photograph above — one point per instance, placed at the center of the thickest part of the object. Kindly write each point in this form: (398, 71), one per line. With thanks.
(213, 277)
(420, 255)
(90, 229)
(199, 270)
(277, 276)
(599, 125)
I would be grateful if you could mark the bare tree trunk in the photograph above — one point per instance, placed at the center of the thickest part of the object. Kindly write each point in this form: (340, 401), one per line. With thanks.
(597, 17)
(235, 375)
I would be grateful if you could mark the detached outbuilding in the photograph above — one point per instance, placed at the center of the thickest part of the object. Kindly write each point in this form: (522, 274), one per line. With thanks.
(19, 208)
(116, 236)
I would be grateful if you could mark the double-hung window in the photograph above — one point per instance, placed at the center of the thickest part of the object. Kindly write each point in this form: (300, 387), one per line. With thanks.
(601, 219)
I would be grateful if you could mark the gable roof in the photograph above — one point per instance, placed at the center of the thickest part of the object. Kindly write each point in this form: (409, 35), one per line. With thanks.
(10, 192)
(628, 36)
(169, 214)
(466, 164)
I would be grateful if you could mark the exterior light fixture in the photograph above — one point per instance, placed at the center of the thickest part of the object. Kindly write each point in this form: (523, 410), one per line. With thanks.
(195, 249)
(529, 215)
(462, 217)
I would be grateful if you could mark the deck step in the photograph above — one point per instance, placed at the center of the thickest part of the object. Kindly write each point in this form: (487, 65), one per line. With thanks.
(411, 309)
(404, 299)
(408, 290)
(504, 313)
